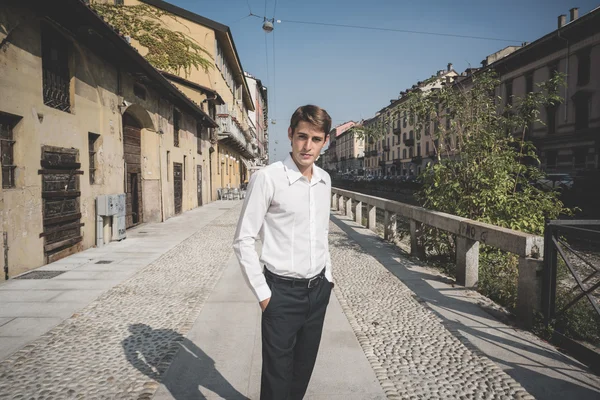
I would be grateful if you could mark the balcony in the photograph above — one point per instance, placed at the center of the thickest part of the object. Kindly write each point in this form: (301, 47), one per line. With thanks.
(231, 134)
(397, 162)
(409, 142)
(416, 159)
(343, 158)
(396, 129)
(381, 163)
(372, 153)
(386, 147)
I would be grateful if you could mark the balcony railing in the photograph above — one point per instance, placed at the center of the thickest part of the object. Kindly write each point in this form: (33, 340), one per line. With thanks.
(409, 141)
(386, 148)
(230, 131)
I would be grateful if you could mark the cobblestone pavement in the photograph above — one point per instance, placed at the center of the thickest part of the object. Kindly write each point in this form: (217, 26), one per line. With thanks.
(119, 346)
(112, 349)
(413, 355)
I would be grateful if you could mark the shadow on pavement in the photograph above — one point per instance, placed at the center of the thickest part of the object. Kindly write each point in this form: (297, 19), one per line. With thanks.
(167, 357)
(505, 339)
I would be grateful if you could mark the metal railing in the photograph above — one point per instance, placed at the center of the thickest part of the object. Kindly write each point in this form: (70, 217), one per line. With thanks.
(556, 244)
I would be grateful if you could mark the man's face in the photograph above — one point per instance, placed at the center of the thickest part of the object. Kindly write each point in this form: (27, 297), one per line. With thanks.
(307, 142)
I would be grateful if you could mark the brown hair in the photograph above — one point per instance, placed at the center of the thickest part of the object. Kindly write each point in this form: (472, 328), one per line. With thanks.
(314, 115)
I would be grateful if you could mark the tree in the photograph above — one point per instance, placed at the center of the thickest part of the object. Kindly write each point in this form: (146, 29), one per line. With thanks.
(485, 165)
(484, 168)
(168, 50)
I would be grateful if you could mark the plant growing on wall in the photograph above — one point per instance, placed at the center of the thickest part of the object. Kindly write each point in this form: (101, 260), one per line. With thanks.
(168, 50)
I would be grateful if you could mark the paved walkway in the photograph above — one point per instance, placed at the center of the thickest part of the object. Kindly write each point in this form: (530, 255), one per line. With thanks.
(165, 314)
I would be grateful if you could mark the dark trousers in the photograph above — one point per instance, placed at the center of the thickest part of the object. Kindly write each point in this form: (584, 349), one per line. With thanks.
(292, 325)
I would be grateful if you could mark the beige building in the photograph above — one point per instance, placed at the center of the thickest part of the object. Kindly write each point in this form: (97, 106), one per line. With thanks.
(233, 147)
(401, 149)
(82, 114)
(351, 150)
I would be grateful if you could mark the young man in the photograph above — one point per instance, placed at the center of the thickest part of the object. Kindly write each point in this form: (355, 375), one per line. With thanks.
(287, 203)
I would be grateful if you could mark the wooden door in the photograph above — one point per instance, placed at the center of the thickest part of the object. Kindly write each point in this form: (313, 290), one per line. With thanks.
(60, 202)
(199, 181)
(132, 152)
(178, 186)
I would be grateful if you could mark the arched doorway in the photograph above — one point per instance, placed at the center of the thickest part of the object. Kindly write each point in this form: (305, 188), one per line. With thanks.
(132, 154)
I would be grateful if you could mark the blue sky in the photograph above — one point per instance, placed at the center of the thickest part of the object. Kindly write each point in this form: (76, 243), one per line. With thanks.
(353, 73)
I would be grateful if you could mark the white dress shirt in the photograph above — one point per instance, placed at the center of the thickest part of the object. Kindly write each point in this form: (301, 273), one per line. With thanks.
(291, 216)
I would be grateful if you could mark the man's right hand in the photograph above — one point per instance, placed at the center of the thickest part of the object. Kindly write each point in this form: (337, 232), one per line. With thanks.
(264, 304)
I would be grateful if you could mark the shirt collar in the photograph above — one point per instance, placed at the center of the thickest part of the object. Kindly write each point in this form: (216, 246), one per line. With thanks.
(293, 173)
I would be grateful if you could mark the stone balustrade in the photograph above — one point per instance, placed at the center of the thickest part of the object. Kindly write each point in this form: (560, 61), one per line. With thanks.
(469, 234)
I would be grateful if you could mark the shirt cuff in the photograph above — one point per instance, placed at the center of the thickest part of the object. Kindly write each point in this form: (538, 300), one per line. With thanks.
(328, 275)
(262, 292)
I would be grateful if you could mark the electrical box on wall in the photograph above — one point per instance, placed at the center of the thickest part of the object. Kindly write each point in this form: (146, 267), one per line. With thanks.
(106, 205)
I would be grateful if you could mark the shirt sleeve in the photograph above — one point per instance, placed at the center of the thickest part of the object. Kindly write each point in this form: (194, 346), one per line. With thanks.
(328, 268)
(257, 202)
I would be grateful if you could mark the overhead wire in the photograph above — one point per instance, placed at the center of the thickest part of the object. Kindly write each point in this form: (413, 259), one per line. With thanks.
(399, 30)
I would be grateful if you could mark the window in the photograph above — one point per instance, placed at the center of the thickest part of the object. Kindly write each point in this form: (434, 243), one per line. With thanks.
(551, 157)
(55, 65)
(551, 119)
(553, 69)
(7, 142)
(403, 153)
(176, 122)
(509, 93)
(418, 149)
(92, 139)
(410, 152)
(583, 67)
(119, 2)
(426, 147)
(579, 155)
(139, 91)
(168, 165)
(184, 167)
(529, 82)
(201, 133)
(582, 110)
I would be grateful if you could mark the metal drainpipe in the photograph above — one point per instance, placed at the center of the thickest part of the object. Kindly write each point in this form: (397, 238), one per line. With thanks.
(567, 73)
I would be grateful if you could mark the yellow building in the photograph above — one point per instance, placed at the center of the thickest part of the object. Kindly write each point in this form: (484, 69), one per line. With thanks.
(222, 90)
(83, 114)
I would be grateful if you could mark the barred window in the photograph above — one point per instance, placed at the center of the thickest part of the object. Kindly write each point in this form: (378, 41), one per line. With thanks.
(7, 142)
(176, 122)
(55, 66)
(92, 139)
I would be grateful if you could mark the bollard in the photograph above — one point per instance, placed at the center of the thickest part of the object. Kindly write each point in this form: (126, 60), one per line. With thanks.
(416, 250)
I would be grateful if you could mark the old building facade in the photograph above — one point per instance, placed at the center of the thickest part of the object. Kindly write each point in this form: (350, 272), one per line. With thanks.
(234, 145)
(84, 115)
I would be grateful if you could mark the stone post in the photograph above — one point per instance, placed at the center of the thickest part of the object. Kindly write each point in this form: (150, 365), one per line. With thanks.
(340, 205)
(467, 261)
(358, 213)
(349, 207)
(334, 202)
(529, 289)
(416, 250)
(389, 226)
(372, 218)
